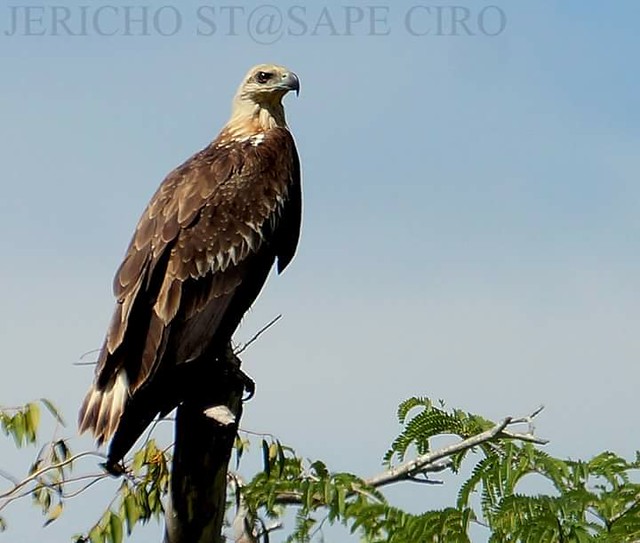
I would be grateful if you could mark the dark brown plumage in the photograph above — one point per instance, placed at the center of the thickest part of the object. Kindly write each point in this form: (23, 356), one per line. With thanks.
(199, 257)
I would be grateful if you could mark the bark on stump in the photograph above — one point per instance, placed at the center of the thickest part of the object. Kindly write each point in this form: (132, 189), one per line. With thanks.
(198, 487)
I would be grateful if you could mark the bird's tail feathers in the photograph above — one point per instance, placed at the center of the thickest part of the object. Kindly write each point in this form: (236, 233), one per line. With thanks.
(102, 408)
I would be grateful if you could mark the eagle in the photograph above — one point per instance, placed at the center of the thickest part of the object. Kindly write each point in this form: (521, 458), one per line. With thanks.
(199, 257)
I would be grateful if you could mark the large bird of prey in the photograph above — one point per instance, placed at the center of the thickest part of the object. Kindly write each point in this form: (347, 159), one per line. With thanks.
(198, 259)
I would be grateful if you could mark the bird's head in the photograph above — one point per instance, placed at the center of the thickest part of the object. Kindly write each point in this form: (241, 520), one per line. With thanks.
(258, 101)
(267, 83)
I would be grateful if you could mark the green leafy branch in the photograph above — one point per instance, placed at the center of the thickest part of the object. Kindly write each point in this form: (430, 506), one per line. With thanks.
(50, 481)
(22, 422)
(592, 501)
(287, 480)
(139, 497)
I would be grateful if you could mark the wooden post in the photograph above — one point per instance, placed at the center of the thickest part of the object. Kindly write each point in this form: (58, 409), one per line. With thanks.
(198, 487)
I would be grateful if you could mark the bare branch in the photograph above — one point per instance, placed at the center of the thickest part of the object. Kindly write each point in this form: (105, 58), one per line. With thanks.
(437, 467)
(37, 474)
(423, 480)
(402, 472)
(94, 479)
(624, 512)
(529, 419)
(434, 461)
(524, 437)
(57, 487)
(422, 463)
(529, 436)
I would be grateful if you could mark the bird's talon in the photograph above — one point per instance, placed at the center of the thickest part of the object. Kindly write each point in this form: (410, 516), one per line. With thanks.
(116, 469)
(250, 389)
(248, 384)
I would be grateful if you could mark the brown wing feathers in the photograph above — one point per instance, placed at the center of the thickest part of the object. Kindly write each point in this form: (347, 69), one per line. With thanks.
(198, 240)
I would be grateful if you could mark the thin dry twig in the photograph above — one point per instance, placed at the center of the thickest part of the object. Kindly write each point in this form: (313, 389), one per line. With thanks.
(37, 474)
(240, 349)
(95, 479)
(81, 361)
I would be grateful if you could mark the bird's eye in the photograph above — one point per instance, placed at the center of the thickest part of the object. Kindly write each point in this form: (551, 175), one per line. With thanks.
(263, 77)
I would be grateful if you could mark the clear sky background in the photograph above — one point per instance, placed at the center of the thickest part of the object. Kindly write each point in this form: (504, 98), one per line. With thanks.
(471, 215)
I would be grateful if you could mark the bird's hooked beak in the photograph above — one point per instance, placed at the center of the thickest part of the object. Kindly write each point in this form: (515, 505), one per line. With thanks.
(290, 82)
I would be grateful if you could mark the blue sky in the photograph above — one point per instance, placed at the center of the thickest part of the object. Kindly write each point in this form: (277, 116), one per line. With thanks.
(470, 231)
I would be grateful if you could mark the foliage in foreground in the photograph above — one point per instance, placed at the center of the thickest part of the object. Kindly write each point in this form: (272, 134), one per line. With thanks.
(592, 501)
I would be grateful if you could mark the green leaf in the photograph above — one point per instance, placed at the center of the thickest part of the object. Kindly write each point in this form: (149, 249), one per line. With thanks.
(265, 457)
(281, 459)
(45, 499)
(328, 491)
(115, 524)
(96, 535)
(239, 446)
(138, 461)
(32, 420)
(320, 468)
(36, 466)
(131, 512)
(18, 428)
(61, 449)
(307, 495)
(342, 494)
(155, 503)
(54, 513)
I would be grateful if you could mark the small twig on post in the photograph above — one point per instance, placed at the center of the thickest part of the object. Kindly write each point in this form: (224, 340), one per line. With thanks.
(244, 347)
